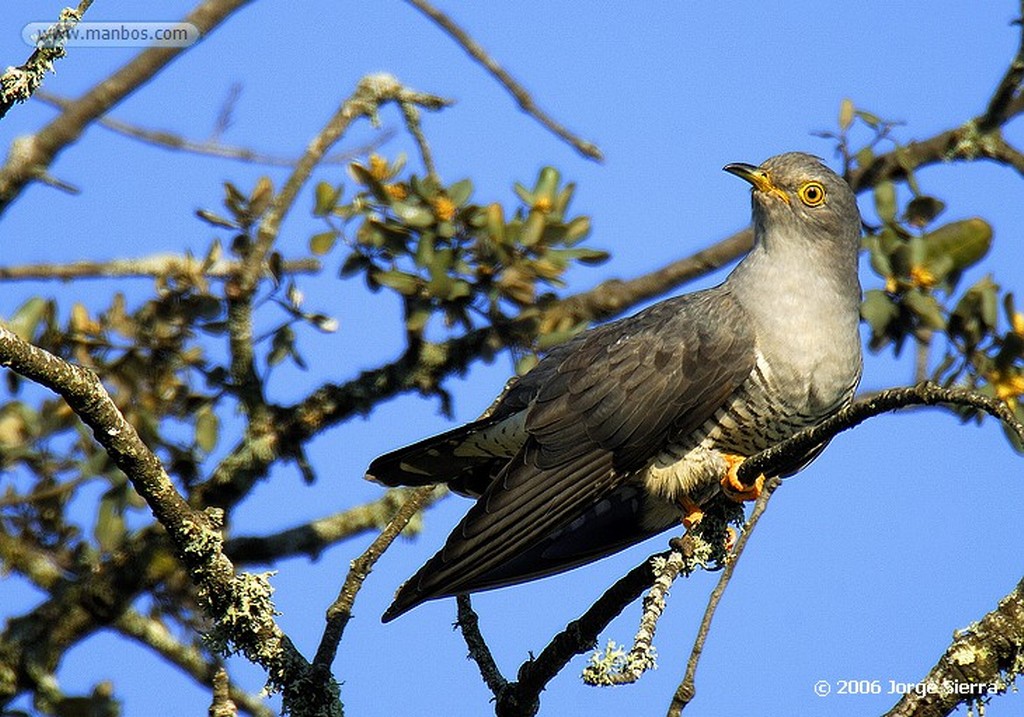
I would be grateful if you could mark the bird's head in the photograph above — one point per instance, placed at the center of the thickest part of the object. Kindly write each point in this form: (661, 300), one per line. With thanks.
(797, 192)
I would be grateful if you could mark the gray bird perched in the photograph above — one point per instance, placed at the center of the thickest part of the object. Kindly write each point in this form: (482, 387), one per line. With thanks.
(630, 427)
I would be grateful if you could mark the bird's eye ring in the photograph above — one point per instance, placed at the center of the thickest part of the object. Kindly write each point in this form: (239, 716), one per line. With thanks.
(812, 194)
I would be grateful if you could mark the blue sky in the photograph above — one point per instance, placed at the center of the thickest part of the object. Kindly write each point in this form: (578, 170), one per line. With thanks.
(904, 530)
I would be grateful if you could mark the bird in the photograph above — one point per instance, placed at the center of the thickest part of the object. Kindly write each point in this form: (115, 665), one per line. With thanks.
(627, 429)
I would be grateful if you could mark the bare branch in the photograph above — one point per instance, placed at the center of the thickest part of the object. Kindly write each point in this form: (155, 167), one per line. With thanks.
(312, 538)
(156, 265)
(31, 156)
(518, 92)
(213, 147)
(522, 697)
(339, 613)
(1009, 88)
(923, 394)
(17, 84)
(686, 690)
(154, 634)
(469, 624)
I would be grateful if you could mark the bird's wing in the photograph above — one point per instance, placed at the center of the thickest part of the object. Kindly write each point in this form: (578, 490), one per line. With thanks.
(606, 410)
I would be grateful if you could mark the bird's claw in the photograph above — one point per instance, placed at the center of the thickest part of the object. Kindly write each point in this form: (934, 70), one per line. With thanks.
(733, 487)
(692, 514)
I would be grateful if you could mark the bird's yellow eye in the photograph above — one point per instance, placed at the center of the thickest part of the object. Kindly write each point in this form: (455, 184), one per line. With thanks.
(812, 194)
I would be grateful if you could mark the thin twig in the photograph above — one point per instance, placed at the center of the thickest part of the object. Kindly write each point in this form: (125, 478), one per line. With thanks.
(469, 624)
(685, 692)
(518, 92)
(213, 147)
(411, 114)
(340, 612)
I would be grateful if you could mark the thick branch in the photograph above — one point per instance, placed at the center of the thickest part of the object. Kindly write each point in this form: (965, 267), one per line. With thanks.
(241, 604)
(981, 659)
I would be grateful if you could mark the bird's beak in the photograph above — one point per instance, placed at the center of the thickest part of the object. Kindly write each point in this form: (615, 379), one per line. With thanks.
(758, 177)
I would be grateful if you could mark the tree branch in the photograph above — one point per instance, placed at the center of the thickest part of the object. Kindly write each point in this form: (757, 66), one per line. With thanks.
(154, 634)
(981, 661)
(518, 92)
(240, 604)
(339, 613)
(312, 538)
(686, 690)
(156, 265)
(211, 147)
(923, 394)
(17, 84)
(469, 624)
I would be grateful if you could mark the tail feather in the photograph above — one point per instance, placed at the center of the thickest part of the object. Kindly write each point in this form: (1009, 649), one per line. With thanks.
(465, 458)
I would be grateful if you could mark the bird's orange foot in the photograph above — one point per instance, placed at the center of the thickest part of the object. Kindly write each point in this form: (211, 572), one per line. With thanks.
(733, 487)
(692, 514)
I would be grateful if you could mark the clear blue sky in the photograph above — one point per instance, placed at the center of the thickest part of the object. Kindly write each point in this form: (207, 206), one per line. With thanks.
(904, 530)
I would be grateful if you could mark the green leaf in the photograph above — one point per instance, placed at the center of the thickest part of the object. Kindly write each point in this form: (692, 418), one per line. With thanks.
(583, 255)
(871, 120)
(922, 210)
(576, 230)
(323, 242)
(282, 345)
(865, 157)
(460, 192)
(207, 429)
(216, 219)
(846, 110)
(885, 201)
(326, 198)
(524, 194)
(496, 223)
(28, 317)
(533, 229)
(965, 242)
(400, 281)
(547, 184)
(926, 308)
(110, 529)
(878, 311)
(413, 215)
